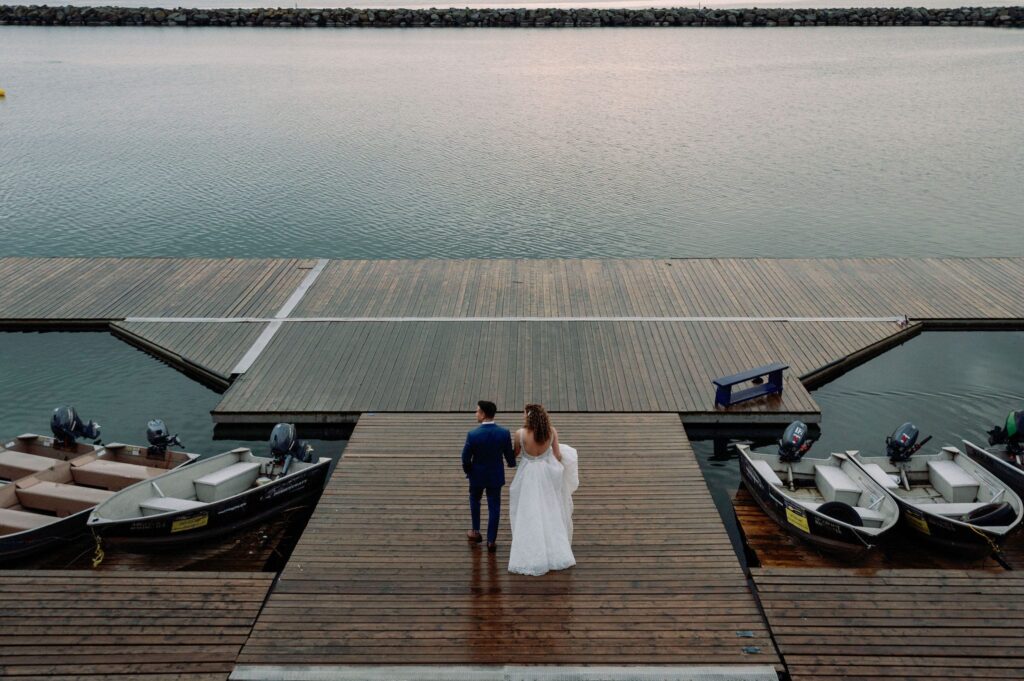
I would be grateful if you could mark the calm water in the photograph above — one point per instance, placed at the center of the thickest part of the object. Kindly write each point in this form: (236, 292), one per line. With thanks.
(952, 385)
(113, 384)
(526, 143)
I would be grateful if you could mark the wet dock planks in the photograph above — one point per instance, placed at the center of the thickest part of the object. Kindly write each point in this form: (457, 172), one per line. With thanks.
(384, 575)
(863, 625)
(153, 625)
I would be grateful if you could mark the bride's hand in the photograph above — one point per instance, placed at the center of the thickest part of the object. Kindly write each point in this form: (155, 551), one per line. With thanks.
(554, 445)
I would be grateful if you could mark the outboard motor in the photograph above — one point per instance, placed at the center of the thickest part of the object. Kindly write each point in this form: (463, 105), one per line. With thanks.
(286, 446)
(67, 427)
(794, 443)
(1011, 434)
(902, 444)
(159, 438)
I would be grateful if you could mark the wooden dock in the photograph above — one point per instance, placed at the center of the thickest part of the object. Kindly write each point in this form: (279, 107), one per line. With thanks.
(323, 341)
(845, 625)
(384, 574)
(153, 625)
(627, 350)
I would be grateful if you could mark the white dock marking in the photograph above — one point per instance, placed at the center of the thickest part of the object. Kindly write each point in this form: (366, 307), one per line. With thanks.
(257, 348)
(292, 320)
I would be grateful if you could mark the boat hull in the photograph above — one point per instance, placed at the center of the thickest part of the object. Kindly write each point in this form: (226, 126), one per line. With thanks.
(216, 519)
(1009, 473)
(952, 538)
(55, 535)
(803, 523)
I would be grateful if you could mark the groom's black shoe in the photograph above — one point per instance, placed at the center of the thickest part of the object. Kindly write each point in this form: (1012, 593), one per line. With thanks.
(491, 547)
(474, 537)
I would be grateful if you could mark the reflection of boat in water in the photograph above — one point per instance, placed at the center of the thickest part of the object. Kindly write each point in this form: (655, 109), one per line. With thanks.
(53, 482)
(830, 503)
(947, 498)
(212, 497)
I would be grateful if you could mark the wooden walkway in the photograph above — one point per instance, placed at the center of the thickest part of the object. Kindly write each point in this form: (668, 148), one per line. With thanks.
(155, 625)
(312, 371)
(833, 624)
(384, 575)
(428, 335)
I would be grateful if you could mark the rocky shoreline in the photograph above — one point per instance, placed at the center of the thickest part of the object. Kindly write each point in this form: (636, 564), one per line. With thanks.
(1003, 17)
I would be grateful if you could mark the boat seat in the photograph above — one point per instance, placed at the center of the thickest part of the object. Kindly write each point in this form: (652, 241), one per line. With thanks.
(764, 469)
(14, 465)
(227, 482)
(955, 510)
(879, 475)
(12, 521)
(955, 484)
(870, 516)
(114, 475)
(157, 505)
(836, 485)
(60, 498)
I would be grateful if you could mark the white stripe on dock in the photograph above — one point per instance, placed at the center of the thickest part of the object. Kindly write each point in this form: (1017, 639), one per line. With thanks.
(274, 324)
(264, 320)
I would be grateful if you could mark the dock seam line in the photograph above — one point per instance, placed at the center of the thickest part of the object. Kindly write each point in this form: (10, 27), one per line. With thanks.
(273, 325)
(264, 320)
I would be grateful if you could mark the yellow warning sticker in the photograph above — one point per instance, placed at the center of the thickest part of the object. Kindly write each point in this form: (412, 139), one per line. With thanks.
(797, 518)
(917, 522)
(190, 523)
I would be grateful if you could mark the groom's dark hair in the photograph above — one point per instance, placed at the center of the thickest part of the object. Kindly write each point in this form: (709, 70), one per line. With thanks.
(488, 408)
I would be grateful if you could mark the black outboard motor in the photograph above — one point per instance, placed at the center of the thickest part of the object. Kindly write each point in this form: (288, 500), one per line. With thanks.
(902, 444)
(794, 443)
(159, 438)
(286, 446)
(1011, 434)
(67, 427)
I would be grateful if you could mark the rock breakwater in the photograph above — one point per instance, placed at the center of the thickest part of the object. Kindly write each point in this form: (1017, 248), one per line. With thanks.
(1008, 17)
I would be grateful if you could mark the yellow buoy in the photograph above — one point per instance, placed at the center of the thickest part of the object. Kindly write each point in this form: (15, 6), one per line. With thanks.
(2, 93)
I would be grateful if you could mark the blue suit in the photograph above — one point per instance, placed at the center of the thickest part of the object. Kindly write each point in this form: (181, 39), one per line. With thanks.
(482, 462)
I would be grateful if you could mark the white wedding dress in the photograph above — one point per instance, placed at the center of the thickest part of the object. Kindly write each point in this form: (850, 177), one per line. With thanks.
(540, 501)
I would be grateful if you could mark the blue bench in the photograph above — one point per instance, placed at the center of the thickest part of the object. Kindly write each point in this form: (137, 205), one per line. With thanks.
(724, 385)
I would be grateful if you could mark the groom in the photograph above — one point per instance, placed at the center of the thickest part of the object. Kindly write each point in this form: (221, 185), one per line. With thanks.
(481, 461)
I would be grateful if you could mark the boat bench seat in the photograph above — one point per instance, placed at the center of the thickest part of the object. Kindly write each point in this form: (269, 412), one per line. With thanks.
(836, 485)
(157, 505)
(953, 509)
(18, 521)
(60, 498)
(879, 475)
(114, 475)
(227, 482)
(764, 469)
(14, 465)
(870, 516)
(955, 484)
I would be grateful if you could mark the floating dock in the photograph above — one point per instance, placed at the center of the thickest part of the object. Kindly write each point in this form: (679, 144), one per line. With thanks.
(382, 583)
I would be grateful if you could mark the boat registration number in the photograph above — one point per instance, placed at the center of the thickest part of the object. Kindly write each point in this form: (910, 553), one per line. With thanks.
(797, 518)
(192, 523)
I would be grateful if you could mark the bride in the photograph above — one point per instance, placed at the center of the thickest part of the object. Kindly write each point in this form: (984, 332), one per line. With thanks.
(541, 497)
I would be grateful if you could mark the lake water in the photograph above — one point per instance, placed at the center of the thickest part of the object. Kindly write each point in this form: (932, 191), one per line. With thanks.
(498, 143)
(114, 384)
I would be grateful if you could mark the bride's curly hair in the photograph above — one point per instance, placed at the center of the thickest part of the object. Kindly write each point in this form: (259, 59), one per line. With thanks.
(537, 421)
